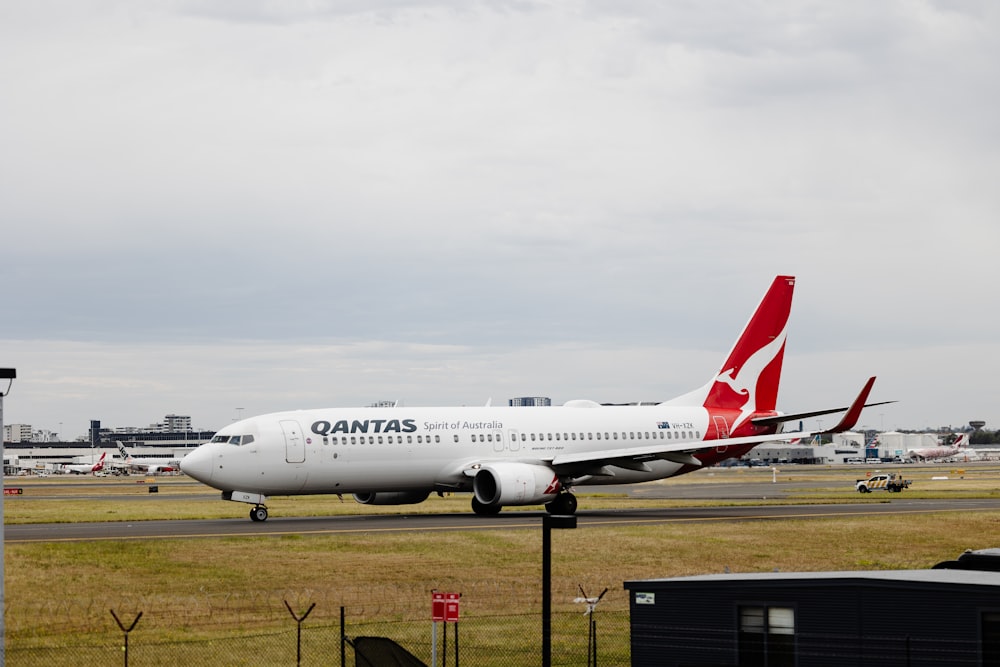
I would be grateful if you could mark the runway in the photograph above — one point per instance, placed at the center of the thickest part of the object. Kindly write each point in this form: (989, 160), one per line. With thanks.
(278, 526)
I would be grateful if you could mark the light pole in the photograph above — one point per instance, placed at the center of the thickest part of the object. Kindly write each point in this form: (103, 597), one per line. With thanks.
(549, 521)
(8, 374)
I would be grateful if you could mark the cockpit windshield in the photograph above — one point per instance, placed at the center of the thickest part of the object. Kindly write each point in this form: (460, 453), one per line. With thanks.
(234, 439)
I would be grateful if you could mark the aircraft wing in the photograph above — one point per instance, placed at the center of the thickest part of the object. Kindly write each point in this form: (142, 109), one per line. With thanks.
(850, 419)
(634, 458)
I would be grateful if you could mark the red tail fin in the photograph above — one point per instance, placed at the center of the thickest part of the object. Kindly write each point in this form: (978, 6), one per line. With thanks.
(748, 380)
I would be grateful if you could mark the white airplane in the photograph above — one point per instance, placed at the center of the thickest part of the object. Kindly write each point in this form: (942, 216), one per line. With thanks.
(150, 465)
(86, 468)
(957, 449)
(514, 455)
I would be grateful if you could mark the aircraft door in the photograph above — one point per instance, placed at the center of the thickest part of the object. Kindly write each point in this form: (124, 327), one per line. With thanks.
(515, 440)
(722, 428)
(295, 446)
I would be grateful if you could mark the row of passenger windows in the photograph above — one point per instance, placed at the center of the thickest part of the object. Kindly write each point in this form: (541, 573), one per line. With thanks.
(523, 437)
(380, 439)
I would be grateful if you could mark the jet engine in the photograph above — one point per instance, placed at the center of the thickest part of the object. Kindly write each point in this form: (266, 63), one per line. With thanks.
(498, 484)
(392, 497)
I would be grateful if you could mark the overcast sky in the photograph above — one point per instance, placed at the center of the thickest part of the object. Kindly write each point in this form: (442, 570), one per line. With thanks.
(223, 208)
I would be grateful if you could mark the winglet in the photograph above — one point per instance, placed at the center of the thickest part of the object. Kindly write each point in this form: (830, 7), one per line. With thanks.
(850, 418)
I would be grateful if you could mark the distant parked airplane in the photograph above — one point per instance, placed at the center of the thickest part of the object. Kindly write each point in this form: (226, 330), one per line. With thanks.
(958, 448)
(87, 468)
(514, 455)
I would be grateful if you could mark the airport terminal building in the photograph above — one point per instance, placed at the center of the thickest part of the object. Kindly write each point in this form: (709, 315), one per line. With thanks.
(169, 440)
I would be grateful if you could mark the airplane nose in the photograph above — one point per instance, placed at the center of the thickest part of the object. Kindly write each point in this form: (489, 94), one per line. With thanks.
(198, 464)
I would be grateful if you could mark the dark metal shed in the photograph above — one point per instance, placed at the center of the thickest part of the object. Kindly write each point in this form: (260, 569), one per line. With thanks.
(887, 618)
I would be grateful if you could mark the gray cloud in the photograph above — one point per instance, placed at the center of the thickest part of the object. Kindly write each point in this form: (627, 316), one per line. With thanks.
(498, 181)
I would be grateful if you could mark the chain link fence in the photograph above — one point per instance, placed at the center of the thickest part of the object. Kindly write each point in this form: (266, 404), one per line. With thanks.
(482, 640)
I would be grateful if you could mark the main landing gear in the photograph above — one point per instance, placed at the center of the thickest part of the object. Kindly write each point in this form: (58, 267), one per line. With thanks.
(258, 513)
(564, 503)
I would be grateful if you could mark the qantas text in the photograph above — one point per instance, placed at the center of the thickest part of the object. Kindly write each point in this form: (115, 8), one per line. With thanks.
(365, 426)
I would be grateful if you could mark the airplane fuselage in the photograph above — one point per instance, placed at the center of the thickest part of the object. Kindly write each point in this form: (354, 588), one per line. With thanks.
(408, 449)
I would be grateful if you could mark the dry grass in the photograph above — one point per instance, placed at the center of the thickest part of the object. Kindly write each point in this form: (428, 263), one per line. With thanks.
(213, 584)
(60, 593)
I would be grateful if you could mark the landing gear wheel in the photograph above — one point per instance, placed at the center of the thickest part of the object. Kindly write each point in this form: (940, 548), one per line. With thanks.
(485, 510)
(564, 503)
(258, 514)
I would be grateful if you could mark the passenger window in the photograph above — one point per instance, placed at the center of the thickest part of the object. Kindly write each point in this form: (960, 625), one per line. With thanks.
(489, 437)
(437, 438)
(354, 440)
(409, 439)
(456, 437)
(380, 440)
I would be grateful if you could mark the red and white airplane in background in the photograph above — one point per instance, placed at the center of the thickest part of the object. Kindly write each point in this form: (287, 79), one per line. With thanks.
(957, 449)
(514, 455)
(86, 468)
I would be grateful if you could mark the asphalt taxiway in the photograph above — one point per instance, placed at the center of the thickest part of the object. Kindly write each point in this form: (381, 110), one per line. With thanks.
(278, 526)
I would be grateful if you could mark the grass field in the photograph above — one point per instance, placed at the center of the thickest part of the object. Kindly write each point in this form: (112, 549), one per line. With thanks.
(60, 594)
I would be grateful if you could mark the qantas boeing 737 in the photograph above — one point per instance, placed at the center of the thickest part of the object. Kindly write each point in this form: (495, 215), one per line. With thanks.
(514, 455)
(87, 468)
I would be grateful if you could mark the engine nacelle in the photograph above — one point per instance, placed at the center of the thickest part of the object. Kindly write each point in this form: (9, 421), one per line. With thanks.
(392, 497)
(498, 484)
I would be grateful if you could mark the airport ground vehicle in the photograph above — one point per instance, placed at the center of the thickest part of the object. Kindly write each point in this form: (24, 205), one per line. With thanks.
(892, 482)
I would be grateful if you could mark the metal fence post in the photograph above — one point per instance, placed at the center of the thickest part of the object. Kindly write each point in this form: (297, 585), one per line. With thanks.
(126, 631)
(298, 621)
(343, 638)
